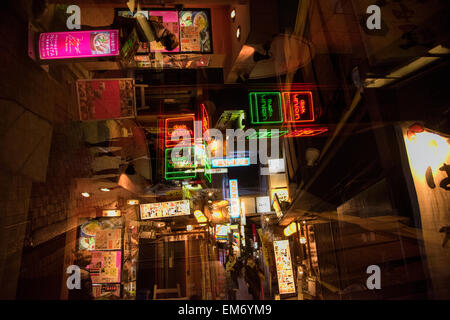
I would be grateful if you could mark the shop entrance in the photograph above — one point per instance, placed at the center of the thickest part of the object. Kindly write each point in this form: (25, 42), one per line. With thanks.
(168, 262)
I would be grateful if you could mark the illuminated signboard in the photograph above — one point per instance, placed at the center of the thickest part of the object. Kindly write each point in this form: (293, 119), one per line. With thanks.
(298, 107)
(230, 162)
(222, 232)
(180, 123)
(111, 213)
(164, 209)
(283, 264)
(264, 134)
(179, 163)
(234, 199)
(276, 206)
(282, 193)
(306, 132)
(265, 107)
(78, 44)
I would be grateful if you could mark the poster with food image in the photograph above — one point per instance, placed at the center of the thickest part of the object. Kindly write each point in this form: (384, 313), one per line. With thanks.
(78, 44)
(101, 99)
(169, 20)
(100, 234)
(105, 266)
(195, 31)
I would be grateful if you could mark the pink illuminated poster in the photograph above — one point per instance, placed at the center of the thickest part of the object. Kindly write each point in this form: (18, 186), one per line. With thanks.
(105, 266)
(78, 44)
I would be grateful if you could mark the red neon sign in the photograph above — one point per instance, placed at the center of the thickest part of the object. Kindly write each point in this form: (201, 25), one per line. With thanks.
(180, 123)
(306, 132)
(205, 118)
(298, 107)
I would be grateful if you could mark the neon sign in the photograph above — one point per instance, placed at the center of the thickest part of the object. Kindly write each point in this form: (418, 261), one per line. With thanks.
(185, 124)
(179, 163)
(234, 199)
(298, 107)
(205, 118)
(267, 134)
(306, 132)
(265, 107)
(234, 162)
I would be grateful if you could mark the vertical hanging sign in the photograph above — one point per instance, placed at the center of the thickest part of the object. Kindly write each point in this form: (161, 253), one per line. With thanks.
(234, 199)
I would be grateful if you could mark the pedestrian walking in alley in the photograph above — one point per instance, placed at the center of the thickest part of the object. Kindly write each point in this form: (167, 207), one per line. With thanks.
(232, 284)
(242, 292)
(253, 276)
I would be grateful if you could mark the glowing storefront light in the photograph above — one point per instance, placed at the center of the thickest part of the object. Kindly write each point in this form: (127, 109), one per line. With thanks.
(111, 213)
(290, 229)
(200, 217)
(425, 150)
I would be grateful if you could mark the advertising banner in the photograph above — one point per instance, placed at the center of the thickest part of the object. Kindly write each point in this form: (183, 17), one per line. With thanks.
(100, 99)
(283, 264)
(165, 209)
(78, 44)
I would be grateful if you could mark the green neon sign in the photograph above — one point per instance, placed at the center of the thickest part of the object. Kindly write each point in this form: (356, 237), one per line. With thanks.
(265, 107)
(267, 134)
(181, 165)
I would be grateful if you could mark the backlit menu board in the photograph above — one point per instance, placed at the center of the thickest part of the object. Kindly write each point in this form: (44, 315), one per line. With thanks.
(164, 209)
(283, 264)
(78, 44)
